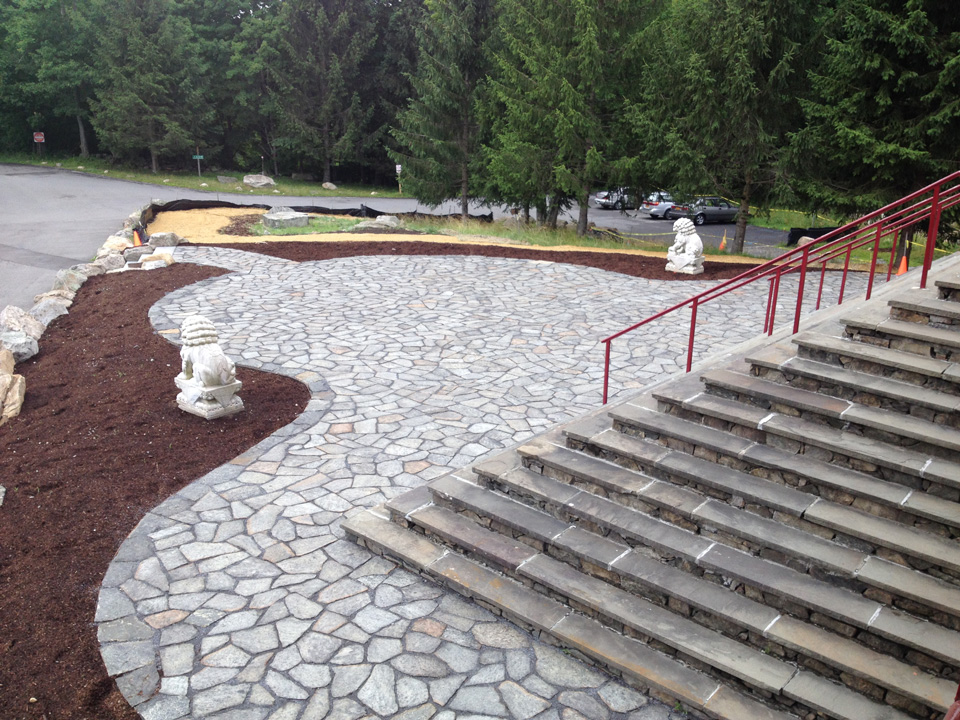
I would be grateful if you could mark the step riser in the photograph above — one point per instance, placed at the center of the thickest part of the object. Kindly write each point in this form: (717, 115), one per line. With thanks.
(904, 344)
(880, 370)
(866, 431)
(706, 619)
(924, 318)
(796, 447)
(857, 395)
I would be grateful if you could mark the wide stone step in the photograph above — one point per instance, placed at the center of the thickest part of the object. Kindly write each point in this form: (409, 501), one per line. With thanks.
(672, 543)
(850, 384)
(919, 305)
(802, 435)
(784, 501)
(530, 609)
(898, 365)
(948, 288)
(682, 589)
(913, 337)
(783, 399)
(831, 480)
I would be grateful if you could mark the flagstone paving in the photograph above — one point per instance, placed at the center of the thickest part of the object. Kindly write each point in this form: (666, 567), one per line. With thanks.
(239, 595)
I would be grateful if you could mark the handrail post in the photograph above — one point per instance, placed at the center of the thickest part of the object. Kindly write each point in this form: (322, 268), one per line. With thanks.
(693, 329)
(606, 371)
(931, 235)
(804, 258)
(873, 263)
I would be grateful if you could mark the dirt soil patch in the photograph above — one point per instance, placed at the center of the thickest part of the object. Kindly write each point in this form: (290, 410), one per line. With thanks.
(100, 441)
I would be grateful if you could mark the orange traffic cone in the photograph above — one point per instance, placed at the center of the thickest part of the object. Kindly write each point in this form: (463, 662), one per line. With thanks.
(903, 266)
(723, 243)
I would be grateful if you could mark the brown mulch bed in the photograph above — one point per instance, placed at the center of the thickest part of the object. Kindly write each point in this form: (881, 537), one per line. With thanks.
(100, 442)
(626, 263)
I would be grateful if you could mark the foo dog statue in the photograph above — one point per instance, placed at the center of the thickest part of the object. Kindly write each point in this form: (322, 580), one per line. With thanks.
(686, 253)
(208, 379)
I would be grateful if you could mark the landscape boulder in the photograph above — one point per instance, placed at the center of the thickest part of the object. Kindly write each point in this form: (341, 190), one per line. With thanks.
(134, 254)
(113, 261)
(88, 269)
(46, 310)
(69, 280)
(284, 217)
(114, 244)
(6, 362)
(13, 319)
(61, 294)
(13, 388)
(165, 239)
(329, 186)
(258, 181)
(22, 346)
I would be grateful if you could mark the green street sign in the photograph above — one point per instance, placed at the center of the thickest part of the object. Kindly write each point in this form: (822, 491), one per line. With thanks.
(198, 157)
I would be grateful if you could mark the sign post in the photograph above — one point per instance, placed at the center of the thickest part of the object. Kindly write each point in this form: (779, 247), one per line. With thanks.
(38, 140)
(399, 181)
(198, 157)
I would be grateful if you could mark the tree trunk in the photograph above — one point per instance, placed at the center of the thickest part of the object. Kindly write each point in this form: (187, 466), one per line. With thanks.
(326, 153)
(526, 213)
(584, 211)
(740, 235)
(464, 191)
(154, 161)
(84, 148)
(541, 212)
(553, 213)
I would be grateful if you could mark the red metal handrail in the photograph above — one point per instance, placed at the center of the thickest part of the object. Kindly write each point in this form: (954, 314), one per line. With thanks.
(929, 202)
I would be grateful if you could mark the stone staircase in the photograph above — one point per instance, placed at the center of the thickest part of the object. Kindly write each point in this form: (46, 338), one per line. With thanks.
(773, 536)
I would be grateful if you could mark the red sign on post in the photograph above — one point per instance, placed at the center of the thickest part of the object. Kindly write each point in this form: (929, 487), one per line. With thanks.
(38, 137)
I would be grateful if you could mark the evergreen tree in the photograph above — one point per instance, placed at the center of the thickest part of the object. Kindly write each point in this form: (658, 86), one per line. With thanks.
(720, 95)
(47, 59)
(886, 113)
(153, 96)
(562, 69)
(439, 132)
(322, 49)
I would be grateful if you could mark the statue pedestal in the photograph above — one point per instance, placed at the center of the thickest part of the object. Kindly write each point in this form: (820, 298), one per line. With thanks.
(692, 268)
(209, 402)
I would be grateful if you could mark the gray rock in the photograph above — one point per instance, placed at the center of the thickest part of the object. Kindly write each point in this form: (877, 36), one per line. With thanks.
(14, 319)
(388, 220)
(165, 707)
(420, 665)
(119, 658)
(555, 667)
(46, 310)
(411, 691)
(139, 685)
(258, 181)
(522, 704)
(620, 698)
(584, 704)
(378, 691)
(348, 678)
(317, 648)
(112, 261)
(88, 269)
(63, 295)
(135, 253)
(277, 219)
(69, 280)
(165, 239)
(219, 698)
(478, 700)
(329, 186)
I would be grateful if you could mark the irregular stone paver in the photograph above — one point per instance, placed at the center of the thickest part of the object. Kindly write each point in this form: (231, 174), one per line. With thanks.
(241, 587)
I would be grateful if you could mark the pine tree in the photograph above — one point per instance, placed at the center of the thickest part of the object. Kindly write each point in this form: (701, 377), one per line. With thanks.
(154, 83)
(720, 96)
(886, 113)
(439, 132)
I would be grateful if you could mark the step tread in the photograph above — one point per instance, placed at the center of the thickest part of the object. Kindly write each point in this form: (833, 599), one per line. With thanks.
(917, 586)
(921, 301)
(837, 700)
(890, 421)
(746, 663)
(884, 387)
(651, 667)
(898, 359)
(866, 663)
(818, 471)
(887, 325)
(786, 582)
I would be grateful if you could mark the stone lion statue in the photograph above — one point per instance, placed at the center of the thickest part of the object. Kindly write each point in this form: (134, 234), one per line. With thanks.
(686, 253)
(208, 378)
(203, 359)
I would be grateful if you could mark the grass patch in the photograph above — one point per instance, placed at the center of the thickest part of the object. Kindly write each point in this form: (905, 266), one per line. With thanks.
(206, 182)
(775, 219)
(315, 226)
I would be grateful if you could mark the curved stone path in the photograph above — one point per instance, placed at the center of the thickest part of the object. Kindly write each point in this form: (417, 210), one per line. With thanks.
(240, 596)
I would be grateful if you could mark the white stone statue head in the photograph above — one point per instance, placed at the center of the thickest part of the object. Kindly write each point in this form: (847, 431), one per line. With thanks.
(684, 226)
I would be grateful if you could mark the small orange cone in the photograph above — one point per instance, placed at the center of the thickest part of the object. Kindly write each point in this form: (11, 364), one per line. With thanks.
(903, 266)
(723, 243)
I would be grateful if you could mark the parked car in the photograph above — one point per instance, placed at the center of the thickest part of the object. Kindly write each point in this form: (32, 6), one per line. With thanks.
(704, 210)
(618, 199)
(656, 203)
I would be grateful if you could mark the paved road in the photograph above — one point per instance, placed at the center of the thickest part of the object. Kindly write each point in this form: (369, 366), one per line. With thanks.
(55, 218)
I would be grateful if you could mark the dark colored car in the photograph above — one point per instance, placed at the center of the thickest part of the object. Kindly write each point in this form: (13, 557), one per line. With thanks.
(618, 199)
(704, 210)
